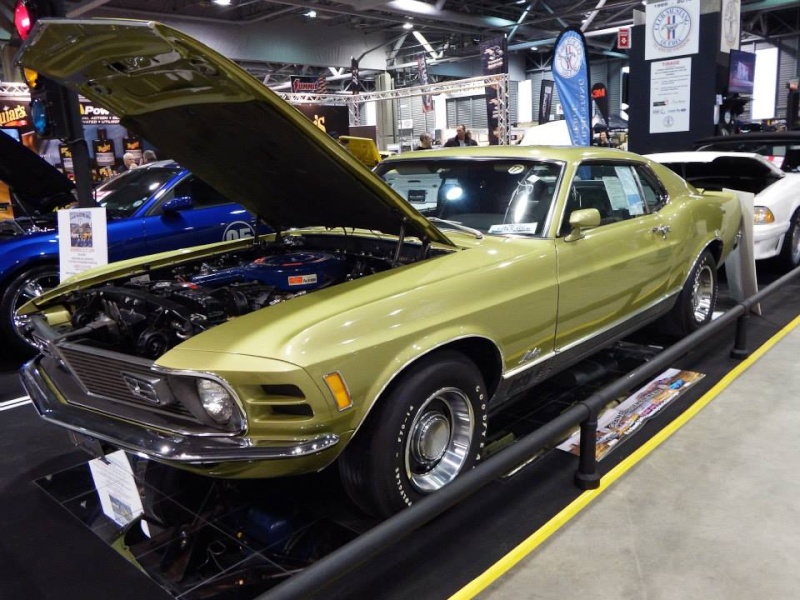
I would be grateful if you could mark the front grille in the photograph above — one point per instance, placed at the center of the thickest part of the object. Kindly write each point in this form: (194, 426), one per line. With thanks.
(107, 375)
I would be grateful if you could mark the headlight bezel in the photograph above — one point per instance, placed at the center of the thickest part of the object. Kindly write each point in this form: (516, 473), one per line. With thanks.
(184, 385)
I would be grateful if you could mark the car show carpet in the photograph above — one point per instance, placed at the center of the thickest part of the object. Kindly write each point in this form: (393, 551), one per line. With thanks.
(211, 539)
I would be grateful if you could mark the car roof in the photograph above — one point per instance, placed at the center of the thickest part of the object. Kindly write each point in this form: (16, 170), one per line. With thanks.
(756, 136)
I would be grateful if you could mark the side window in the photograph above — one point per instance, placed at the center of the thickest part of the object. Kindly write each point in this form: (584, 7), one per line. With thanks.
(611, 188)
(202, 194)
(655, 196)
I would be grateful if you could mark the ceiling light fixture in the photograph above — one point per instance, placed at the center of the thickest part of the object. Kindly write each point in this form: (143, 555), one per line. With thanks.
(408, 25)
(312, 14)
(222, 2)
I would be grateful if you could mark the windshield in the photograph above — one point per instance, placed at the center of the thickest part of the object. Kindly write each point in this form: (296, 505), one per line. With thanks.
(493, 196)
(123, 195)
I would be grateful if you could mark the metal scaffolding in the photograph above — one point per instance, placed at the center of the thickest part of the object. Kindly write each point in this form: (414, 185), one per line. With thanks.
(354, 101)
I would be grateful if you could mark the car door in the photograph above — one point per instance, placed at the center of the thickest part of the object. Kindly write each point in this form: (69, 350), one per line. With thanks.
(619, 268)
(203, 216)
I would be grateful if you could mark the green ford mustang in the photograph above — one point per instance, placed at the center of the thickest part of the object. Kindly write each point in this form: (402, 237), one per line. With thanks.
(387, 314)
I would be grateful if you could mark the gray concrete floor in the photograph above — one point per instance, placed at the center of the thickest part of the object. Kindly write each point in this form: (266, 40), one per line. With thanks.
(712, 513)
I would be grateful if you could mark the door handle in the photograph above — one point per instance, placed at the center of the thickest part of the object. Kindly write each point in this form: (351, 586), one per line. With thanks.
(662, 229)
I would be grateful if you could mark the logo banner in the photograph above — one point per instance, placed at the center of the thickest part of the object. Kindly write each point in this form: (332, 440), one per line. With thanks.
(545, 101)
(355, 82)
(422, 70)
(600, 97)
(494, 58)
(305, 85)
(672, 28)
(571, 74)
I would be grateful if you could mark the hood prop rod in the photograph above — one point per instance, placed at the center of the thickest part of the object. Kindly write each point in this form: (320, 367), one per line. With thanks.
(400, 240)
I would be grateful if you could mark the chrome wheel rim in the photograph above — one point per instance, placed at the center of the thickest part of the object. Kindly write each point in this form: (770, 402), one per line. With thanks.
(439, 438)
(794, 242)
(33, 287)
(702, 293)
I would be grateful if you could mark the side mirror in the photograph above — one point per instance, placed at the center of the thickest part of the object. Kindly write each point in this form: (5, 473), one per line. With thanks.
(585, 218)
(176, 205)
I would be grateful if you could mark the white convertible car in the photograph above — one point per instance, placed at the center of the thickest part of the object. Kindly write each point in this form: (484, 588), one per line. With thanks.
(776, 217)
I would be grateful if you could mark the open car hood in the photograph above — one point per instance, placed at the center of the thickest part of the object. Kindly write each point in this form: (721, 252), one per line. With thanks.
(34, 182)
(204, 111)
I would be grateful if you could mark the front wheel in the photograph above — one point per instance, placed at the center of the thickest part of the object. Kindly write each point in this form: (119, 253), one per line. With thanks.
(790, 250)
(696, 302)
(28, 285)
(430, 428)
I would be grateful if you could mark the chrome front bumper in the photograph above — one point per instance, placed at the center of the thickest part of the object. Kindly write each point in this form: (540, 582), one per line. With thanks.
(168, 447)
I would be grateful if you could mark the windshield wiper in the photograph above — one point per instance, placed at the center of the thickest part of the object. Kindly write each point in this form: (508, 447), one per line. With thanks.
(456, 225)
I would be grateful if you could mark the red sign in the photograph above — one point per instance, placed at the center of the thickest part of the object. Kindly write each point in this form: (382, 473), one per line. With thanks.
(624, 38)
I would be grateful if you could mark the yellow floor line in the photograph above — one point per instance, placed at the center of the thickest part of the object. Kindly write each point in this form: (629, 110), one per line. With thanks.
(536, 539)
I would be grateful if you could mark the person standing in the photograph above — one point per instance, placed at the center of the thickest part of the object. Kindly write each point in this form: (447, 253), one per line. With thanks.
(425, 141)
(128, 163)
(462, 138)
(148, 156)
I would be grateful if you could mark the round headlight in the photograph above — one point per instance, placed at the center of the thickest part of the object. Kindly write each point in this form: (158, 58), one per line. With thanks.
(216, 400)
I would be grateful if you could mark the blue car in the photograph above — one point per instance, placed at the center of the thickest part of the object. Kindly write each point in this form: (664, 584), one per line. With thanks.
(153, 208)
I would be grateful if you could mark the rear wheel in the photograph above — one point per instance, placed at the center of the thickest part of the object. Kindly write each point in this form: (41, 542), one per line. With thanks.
(28, 285)
(430, 428)
(790, 251)
(696, 302)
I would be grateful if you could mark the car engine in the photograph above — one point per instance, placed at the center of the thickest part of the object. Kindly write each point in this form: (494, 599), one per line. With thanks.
(147, 315)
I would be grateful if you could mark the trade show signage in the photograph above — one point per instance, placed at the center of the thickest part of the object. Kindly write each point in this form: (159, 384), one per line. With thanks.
(600, 97)
(672, 28)
(624, 38)
(494, 58)
(545, 101)
(670, 95)
(305, 85)
(91, 114)
(422, 70)
(571, 74)
(82, 240)
(729, 34)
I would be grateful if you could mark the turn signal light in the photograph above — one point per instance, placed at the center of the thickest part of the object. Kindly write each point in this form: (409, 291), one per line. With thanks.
(338, 388)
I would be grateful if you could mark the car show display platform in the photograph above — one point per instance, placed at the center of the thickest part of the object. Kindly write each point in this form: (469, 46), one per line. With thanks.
(235, 540)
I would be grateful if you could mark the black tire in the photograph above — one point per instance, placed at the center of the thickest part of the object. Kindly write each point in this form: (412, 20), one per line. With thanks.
(695, 305)
(27, 285)
(790, 250)
(428, 429)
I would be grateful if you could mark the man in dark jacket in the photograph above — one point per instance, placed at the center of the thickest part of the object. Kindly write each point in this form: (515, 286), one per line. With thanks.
(462, 138)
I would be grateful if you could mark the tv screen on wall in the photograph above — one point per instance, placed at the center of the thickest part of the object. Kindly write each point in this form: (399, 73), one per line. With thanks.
(742, 72)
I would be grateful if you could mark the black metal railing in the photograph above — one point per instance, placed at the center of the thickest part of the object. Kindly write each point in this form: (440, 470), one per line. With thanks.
(365, 547)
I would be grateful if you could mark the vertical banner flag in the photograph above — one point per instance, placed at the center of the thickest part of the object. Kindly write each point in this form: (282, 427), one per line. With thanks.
(494, 57)
(600, 97)
(355, 82)
(545, 101)
(571, 74)
(322, 84)
(422, 69)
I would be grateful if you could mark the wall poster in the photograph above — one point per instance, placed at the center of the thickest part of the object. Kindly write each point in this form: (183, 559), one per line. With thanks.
(670, 88)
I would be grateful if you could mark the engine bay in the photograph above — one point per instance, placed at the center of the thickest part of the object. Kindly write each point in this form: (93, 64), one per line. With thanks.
(149, 314)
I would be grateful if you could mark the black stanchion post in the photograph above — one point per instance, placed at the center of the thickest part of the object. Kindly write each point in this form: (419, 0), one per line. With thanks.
(587, 477)
(81, 160)
(739, 350)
